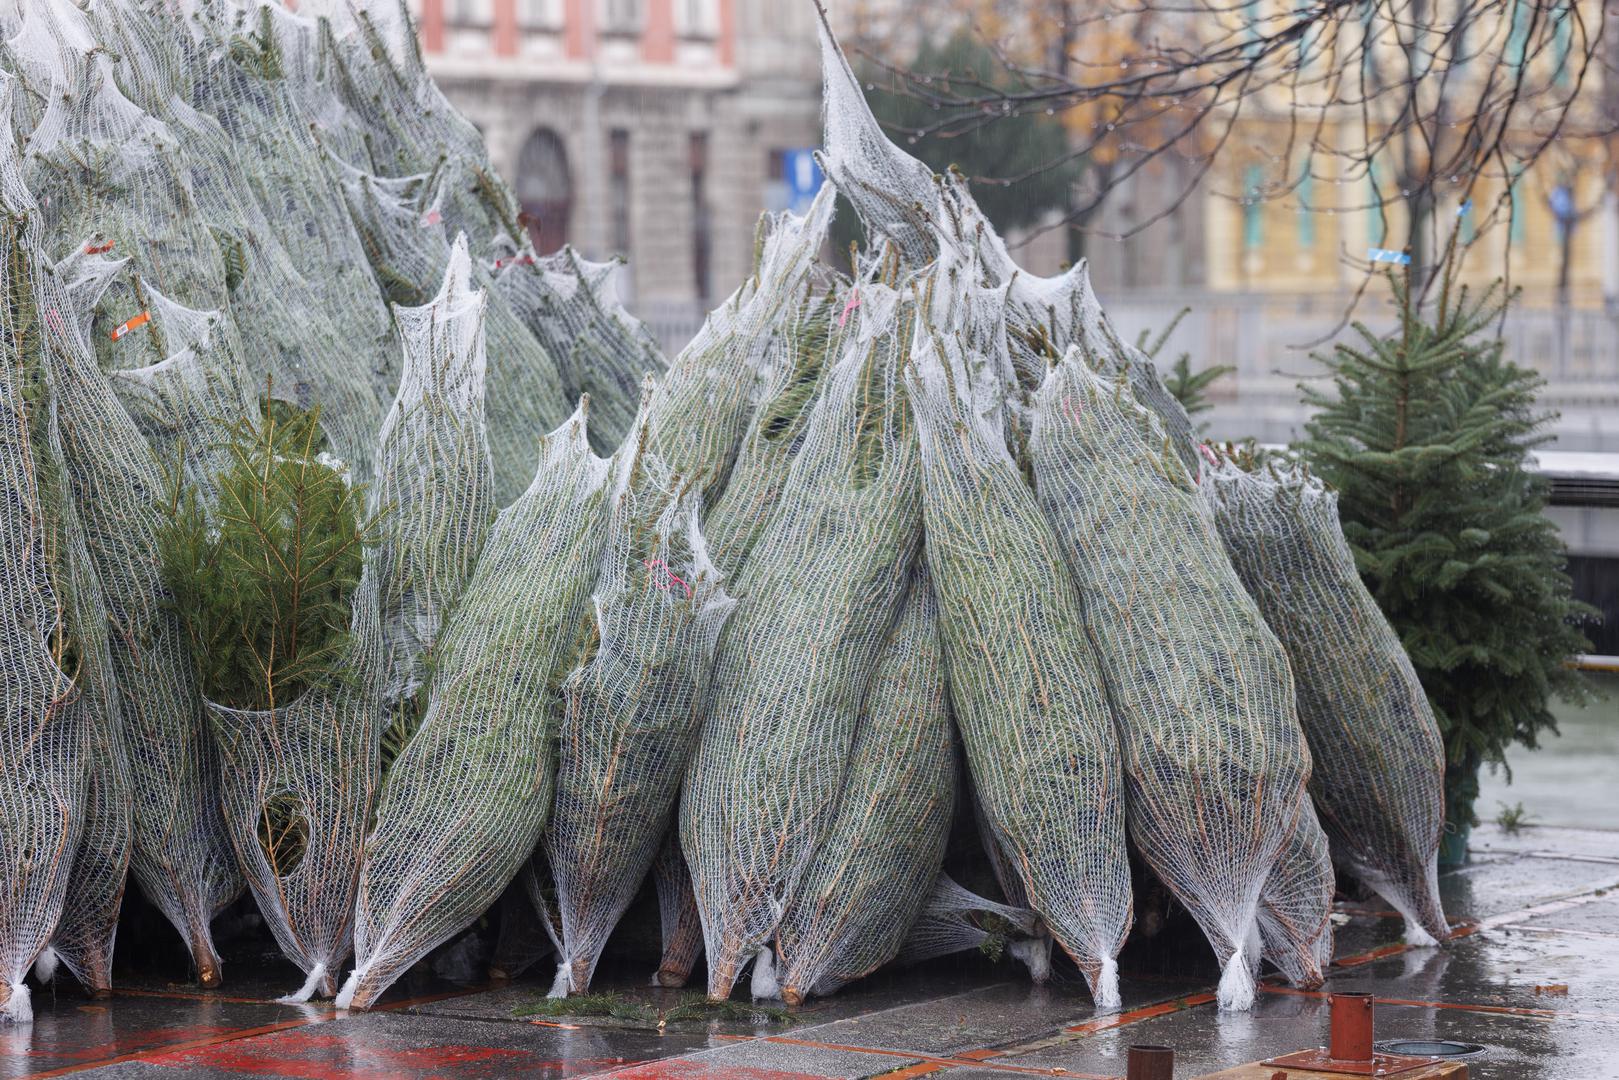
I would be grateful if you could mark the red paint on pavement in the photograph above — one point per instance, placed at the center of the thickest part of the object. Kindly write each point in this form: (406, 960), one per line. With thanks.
(1462, 1006)
(123, 1044)
(1146, 1012)
(309, 1055)
(229, 1036)
(139, 1046)
(1383, 952)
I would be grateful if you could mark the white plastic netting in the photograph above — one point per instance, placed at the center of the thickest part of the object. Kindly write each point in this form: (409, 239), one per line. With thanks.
(680, 926)
(84, 938)
(44, 724)
(181, 857)
(1214, 761)
(790, 371)
(927, 217)
(404, 230)
(437, 858)
(702, 405)
(1025, 686)
(1048, 317)
(1295, 910)
(178, 402)
(937, 472)
(599, 348)
(298, 782)
(231, 189)
(435, 483)
(1379, 778)
(892, 193)
(868, 880)
(821, 589)
(634, 708)
(954, 919)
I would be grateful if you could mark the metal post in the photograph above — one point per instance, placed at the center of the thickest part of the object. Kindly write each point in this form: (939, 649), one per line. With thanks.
(1351, 1027)
(1150, 1063)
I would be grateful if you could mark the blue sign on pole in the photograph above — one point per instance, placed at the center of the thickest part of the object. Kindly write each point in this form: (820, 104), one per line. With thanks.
(803, 176)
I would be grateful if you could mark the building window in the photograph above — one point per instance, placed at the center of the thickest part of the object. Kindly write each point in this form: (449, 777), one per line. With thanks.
(468, 12)
(1517, 228)
(702, 224)
(1306, 222)
(776, 194)
(618, 178)
(621, 16)
(696, 18)
(1376, 213)
(1253, 208)
(1562, 45)
(1518, 35)
(539, 14)
(545, 189)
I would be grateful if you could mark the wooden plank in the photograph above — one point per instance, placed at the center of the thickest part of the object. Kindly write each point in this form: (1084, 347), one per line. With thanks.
(1445, 1070)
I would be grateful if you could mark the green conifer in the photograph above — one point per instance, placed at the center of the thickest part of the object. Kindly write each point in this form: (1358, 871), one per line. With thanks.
(262, 572)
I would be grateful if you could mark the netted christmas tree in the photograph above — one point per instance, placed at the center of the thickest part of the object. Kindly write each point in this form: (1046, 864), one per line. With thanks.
(1202, 697)
(823, 586)
(1295, 910)
(464, 804)
(1025, 685)
(1378, 761)
(1427, 433)
(867, 883)
(633, 707)
(436, 481)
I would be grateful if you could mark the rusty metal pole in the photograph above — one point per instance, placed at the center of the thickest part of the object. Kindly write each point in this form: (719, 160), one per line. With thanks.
(1351, 1027)
(1146, 1062)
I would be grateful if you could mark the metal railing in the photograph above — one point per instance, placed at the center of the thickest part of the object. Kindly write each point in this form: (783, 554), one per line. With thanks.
(1269, 338)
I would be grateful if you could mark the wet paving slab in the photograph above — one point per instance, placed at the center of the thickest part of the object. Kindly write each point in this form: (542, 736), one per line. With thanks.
(385, 1046)
(1533, 974)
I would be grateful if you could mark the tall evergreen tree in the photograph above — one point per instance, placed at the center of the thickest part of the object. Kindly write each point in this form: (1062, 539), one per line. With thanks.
(1426, 433)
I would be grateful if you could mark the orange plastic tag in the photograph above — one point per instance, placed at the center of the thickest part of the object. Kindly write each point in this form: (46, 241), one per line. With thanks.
(140, 320)
(97, 249)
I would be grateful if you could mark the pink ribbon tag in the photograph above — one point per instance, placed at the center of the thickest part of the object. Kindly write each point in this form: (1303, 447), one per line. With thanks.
(431, 218)
(854, 302)
(668, 576)
(1072, 410)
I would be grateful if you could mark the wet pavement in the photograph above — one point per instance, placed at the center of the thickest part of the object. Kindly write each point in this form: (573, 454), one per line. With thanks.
(1569, 779)
(1533, 974)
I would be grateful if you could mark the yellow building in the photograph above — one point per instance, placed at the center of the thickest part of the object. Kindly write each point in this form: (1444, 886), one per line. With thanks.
(1540, 213)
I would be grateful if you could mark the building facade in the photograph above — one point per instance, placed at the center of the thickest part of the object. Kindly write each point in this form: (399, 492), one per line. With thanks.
(649, 129)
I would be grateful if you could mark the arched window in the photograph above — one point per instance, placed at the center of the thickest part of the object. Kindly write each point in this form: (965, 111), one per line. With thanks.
(545, 189)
